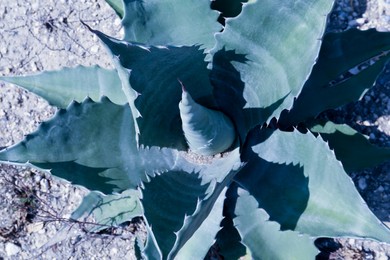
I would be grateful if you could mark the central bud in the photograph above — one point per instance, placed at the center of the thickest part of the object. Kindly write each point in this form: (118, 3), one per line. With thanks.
(208, 132)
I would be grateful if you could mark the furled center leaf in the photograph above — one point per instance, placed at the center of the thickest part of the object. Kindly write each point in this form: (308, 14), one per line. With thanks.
(208, 132)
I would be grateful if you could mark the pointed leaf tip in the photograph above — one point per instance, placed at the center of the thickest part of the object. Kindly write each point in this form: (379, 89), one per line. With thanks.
(208, 132)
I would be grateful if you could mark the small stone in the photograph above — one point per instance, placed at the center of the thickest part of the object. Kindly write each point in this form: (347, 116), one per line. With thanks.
(94, 49)
(34, 227)
(361, 21)
(352, 23)
(44, 185)
(11, 249)
(372, 136)
(380, 189)
(114, 251)
(362, 183)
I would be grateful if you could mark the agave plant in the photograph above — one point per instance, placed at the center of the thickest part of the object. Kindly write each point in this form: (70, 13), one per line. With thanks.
(208, 128)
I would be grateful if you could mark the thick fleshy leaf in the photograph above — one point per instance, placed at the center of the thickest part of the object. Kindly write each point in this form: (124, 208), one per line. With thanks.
(170, 22)
(304, 187)
(109, 210)
(353, 149)
(207, 131)
(118, 7)
(197, 246)
(92, 144)
(182, 208)
(280, 43)
(228, 240)
(264, 238)
(167, 199)
(229, 90)
(343, 73)
(61, 87)
(150, 77)
(151, 251)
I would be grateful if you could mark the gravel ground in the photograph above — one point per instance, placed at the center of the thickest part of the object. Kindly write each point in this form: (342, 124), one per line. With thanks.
(44, 35)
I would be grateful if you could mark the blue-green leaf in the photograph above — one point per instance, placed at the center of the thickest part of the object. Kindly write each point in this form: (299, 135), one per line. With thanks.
(228, 240)
(63, 86)
(343, 73)
(170, 22)
(353, 149)
(264, 238)
(109, 210)
(183, 207)
(167, 200)
(272, 36)
(118, 7)
(150, 80)
(92, 144)
(304, 187)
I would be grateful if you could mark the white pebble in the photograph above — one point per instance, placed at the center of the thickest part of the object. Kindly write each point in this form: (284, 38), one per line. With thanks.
(95, 49)
(11, 249)
(362, 183)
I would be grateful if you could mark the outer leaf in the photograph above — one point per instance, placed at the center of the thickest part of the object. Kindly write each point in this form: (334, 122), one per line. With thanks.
(109, 210)
(151, 250)
(155, 22)
(197, 207)
(306, 188)
(334, 80)
(118, 7)
(150, 80)
(353, 149)
(61, 87)
(167, 199)
(264, 238)
(273, 36)
(198, 244)
(67, 145)
(228, 239)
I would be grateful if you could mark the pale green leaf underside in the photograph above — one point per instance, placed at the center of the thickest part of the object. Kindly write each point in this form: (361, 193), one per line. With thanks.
(170, 22)
(63, 86)
(109, 210)
(353, 149)
(318, 199)
(280, 41)
(264, 238)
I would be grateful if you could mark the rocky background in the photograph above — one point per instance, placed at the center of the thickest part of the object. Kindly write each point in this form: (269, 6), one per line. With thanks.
(34, 207)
